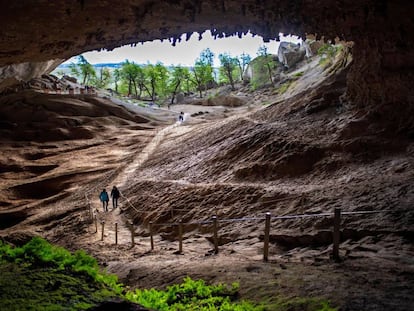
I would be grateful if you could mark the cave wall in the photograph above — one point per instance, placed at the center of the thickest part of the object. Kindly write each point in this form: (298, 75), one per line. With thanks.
(14, 73)
(41, 30)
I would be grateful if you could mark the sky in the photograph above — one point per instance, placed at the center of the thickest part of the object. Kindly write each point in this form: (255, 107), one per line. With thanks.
(185, 52)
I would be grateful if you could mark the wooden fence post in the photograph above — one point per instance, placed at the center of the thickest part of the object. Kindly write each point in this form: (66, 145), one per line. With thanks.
(116, 233)
(266, 238)
(151, 235)
(132, 234)
(215, 235)
(336, 234)
(96, 224)
(103, 229)
(180, 236)
(90, 211)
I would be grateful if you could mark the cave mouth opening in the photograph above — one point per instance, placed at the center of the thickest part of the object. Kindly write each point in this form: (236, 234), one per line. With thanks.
(186, 51)
(186, 48)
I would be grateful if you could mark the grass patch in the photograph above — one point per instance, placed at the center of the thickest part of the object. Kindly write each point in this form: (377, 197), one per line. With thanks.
(48, 289)
(284, 87)
(298, 74)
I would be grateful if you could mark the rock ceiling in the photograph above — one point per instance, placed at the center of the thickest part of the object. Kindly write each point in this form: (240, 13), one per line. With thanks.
(41, 30)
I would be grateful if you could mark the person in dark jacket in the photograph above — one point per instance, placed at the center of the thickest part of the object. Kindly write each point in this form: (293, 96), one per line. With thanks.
(115, 195)
(104, 199)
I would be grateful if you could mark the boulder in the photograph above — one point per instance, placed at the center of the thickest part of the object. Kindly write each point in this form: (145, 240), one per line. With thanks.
(290, 53)
(16, 73)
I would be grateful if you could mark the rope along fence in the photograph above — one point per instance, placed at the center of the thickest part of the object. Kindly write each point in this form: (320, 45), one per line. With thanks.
(215, 223)
(112, 175)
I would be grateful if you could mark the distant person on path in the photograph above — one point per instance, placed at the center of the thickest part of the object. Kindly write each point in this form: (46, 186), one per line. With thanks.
(104, 199)
(115, 195)
(181, 117)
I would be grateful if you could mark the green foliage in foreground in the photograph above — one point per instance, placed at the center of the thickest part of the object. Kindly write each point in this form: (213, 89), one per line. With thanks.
(192, 295)
(40, 276)
(38, 253)
(196, 295)
(48, 289)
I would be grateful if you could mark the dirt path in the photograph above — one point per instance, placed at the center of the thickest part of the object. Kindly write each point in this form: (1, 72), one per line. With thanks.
(115, 220)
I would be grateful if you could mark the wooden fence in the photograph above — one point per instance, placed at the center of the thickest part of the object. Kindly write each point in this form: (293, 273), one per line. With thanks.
(214, 222)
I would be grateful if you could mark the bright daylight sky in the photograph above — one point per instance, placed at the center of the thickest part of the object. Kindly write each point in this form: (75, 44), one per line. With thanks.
(185, 52)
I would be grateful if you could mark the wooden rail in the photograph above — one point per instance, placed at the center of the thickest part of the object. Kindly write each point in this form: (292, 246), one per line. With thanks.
(336, 230)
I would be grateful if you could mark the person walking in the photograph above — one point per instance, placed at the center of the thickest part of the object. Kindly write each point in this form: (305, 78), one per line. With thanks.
(181, 117)
(104, 199)
(115, 194)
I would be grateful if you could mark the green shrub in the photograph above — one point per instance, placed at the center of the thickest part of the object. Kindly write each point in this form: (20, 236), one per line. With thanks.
(284, 87)
(328, 52)
(40, 253)
(192, 295)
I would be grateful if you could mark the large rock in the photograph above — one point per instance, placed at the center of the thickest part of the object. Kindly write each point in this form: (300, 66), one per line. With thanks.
(257, 71)
(312, 47)
(290, 53)
(13, 74)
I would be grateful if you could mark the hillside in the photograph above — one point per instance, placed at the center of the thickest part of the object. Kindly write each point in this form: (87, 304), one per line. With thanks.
(305, 152)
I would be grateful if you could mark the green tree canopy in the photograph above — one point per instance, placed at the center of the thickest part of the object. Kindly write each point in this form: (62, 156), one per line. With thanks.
(207, 57)
(83, 69)
(156, 77)
(203, 71)
(117, 78)
(269, 62)
(243, 61)
(178, 81)
(203, 75)
(228, 69)
(102, 78)
(129, 73)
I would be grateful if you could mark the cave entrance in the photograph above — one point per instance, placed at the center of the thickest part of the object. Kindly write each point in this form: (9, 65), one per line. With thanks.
(156, 70)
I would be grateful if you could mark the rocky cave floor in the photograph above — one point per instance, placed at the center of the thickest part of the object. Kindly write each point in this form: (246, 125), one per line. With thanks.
(285, 159)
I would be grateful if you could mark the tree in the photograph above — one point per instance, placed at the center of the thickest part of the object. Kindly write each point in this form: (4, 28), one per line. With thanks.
(207, 57)
(269, 62)
(189, 82)
(179, 75)
(156, 77)
(203, 75)
(102, 79)
(130, 73)
(228, 67)
(140, 80)
(162, 80)
(262, 51)
(203, 70)
(243, 61)
(117, 77)
(82, 69)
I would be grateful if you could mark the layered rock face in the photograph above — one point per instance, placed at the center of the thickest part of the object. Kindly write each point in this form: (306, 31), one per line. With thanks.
(14, 73)
(37, 31)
